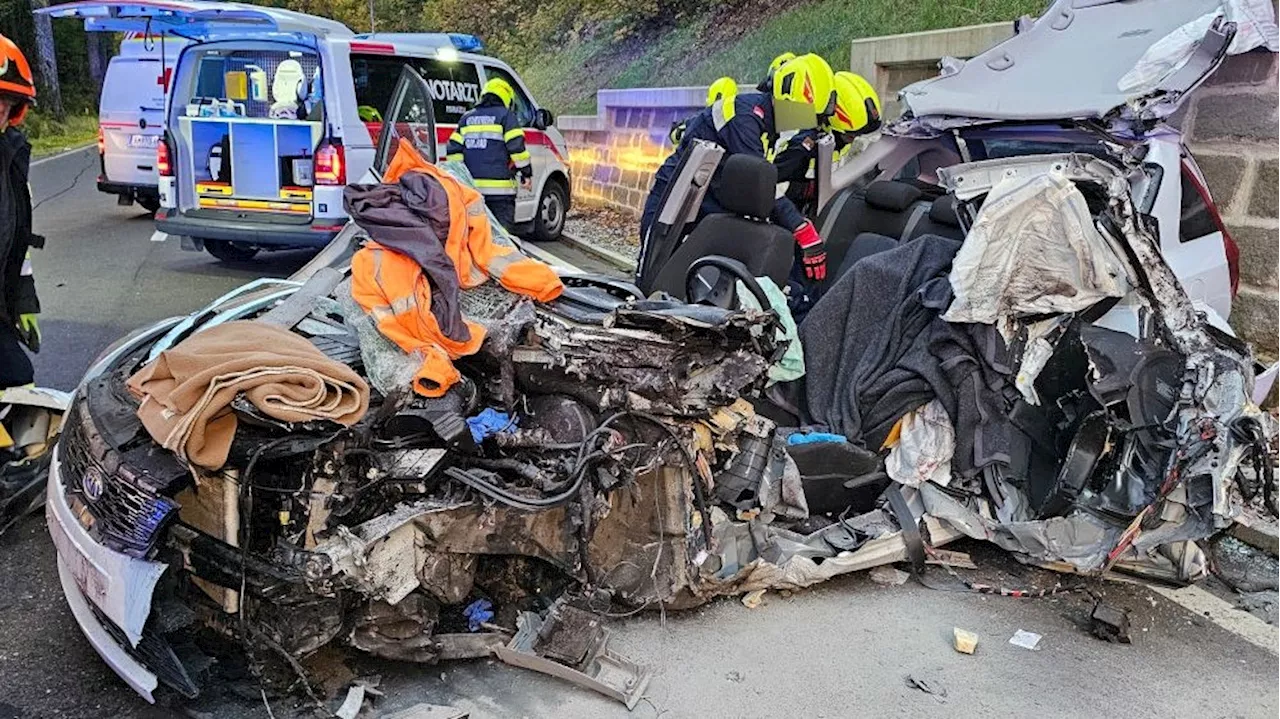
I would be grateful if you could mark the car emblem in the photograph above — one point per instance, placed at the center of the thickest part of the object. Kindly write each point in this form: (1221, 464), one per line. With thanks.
(93, 484)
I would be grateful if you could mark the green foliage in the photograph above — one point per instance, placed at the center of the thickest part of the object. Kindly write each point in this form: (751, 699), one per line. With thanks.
(48, 136)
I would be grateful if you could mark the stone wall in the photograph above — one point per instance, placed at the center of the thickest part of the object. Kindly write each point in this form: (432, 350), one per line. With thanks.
(1231, 127)
(614, 153)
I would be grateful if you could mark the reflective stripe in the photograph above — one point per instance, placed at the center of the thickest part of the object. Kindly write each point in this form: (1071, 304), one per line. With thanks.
(494, 184)
(26, 265)
(488, 132)
(455, 137)
(453, 157)
(377, 266)
(476, 208)
(499, 265)
(520, 159)
(513, 134)
(722, 112)
(498, 191)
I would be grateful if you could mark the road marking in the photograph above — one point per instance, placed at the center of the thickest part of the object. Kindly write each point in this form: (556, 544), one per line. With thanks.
(1238, 622)
(62, 154)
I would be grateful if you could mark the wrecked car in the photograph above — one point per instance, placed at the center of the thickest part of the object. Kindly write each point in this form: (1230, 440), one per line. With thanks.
(1031, 368)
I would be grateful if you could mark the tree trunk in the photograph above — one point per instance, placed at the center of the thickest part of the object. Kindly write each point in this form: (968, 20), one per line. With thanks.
(98, 46)
(47, 63)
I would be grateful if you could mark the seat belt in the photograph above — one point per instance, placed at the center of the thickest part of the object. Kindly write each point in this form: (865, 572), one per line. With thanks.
(917, 213)
(910, 528)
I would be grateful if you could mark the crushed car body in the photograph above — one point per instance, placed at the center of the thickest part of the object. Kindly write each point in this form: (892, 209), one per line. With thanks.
(604, 451)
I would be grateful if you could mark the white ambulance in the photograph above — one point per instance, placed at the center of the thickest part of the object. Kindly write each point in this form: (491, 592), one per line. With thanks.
(270, 113)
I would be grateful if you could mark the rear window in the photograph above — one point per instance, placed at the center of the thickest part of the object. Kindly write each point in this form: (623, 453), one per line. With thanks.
(133, 86)
(995, 149)
(1197, 219)
(454, 86)
(258, 84)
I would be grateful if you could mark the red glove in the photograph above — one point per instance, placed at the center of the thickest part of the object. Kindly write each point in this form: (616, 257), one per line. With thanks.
(813, 252)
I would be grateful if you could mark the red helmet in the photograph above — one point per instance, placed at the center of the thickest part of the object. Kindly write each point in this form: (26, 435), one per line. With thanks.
(16, 79)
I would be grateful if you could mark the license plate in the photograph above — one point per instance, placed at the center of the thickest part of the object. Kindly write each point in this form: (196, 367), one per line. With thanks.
(148, 142)
(87, 577)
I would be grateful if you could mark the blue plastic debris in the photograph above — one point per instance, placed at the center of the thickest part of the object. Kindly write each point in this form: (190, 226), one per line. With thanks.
(815, 438)
(488, 423)
(477, 613)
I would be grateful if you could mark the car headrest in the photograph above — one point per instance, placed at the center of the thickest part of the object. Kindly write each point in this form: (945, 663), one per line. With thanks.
(944, 211)
(892, 196)
(747, 186)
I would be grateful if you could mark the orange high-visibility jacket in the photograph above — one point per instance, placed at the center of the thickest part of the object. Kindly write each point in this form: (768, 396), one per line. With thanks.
(394, 290)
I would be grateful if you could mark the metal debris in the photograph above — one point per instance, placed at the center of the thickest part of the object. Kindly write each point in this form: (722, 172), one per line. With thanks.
(1110, 623)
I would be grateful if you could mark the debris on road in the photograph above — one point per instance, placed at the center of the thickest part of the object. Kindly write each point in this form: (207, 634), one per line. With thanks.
(429, 711)
(927, 685)
(753, 599)
(1110, 623)
(888, 576)
(965, 641)
(1025, 639)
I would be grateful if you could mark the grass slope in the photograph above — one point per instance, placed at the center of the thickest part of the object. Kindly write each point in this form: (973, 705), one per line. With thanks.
(740, 43)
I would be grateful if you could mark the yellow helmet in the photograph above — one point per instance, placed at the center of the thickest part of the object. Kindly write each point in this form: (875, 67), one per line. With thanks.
(725, 87)
(803, 93)
(500, 89)
(857, 109)
(779, 61)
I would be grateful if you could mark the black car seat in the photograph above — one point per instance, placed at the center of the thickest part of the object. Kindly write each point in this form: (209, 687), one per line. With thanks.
(942, 219)
(745, 190)
(886, 207)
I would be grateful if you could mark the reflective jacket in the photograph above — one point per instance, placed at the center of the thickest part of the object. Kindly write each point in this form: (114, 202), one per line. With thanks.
(17, 283)
(396, 290)
(490, 141)
(742, 124)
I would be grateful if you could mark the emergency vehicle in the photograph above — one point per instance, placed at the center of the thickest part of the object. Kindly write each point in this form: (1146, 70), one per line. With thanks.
(270, 113)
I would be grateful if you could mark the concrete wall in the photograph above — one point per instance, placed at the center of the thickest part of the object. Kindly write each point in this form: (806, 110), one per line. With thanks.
(614, 153)
(1231, 127)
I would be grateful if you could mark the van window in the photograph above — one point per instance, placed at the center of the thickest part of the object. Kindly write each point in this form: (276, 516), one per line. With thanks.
(521, 105)
(455, 86)
(133, 86)
(247, 82)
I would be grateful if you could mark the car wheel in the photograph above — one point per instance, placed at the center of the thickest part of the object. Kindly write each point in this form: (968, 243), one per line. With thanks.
(150, 203)
(553, 205)
(230, 251)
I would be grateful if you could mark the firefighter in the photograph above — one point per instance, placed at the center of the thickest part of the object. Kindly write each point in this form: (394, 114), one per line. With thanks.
(490, 141)
(766, 84)
(18, 303)
(857, 112)
(749, 123)
(720, 89)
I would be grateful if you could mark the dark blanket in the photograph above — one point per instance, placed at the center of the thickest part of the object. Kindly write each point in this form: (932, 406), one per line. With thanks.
(876, 348)
(411, 217)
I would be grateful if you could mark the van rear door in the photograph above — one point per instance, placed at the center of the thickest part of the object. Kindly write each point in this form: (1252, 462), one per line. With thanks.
(131, 117)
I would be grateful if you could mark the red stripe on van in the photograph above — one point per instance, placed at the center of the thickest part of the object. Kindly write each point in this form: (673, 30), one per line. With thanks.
(531, 137)
(373, 48)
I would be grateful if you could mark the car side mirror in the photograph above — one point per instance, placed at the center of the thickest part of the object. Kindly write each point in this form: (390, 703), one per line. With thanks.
(542, 119)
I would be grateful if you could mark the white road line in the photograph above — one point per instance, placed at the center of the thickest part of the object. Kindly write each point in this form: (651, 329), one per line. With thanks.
(1238, 622)
(64, 153)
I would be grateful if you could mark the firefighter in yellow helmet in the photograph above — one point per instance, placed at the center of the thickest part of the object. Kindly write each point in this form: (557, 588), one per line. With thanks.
(725, 87)
(801, 96)
(490, 140)
(856, 112)
(18, 303)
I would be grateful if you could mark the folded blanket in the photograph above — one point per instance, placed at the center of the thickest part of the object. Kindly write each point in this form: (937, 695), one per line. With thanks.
(186, 392)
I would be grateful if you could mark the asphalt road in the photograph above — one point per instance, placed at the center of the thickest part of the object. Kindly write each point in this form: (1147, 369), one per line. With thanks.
(838, 650)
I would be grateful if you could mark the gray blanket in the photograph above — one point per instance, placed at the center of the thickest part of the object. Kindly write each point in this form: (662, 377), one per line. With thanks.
(876, 348)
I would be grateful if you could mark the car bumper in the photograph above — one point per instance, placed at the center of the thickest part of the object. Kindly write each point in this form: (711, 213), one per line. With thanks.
(93, 577)
(314, 234)
(127, 188)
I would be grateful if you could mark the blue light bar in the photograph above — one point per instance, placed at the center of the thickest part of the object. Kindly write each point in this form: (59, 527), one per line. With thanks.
(466, 43)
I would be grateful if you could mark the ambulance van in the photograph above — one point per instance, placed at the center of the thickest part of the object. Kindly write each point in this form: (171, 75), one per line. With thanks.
(270, 113)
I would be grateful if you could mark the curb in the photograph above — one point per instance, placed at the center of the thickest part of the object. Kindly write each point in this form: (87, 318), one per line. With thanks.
(618, 260)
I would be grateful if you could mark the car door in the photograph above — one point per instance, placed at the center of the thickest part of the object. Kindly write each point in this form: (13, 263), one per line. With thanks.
(410, 116)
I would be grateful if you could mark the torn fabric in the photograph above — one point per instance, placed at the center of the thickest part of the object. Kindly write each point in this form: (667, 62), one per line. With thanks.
(1032, 251)
(791, 365)
(924, 448)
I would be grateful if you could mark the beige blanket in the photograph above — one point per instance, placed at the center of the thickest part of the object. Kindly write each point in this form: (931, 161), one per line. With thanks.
(186, 392)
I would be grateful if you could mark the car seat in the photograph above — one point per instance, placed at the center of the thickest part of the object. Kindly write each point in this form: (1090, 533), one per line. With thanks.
(288, 88)
(746, 190)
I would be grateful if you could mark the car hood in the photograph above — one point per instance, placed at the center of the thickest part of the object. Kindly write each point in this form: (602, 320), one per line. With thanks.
(1118, 61)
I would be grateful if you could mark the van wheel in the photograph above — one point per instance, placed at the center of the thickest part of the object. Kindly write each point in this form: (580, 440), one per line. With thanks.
(548, 223)
(230, 251)
(149, 203)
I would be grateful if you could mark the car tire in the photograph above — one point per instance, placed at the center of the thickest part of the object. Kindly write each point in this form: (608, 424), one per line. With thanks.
(230, 251)
(149, 203)
(553, 206)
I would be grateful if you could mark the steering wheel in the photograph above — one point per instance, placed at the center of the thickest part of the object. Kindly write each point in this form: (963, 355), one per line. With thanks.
(719, 289)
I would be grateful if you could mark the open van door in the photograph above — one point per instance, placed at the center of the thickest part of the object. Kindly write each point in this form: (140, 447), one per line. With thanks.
(192, 19)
